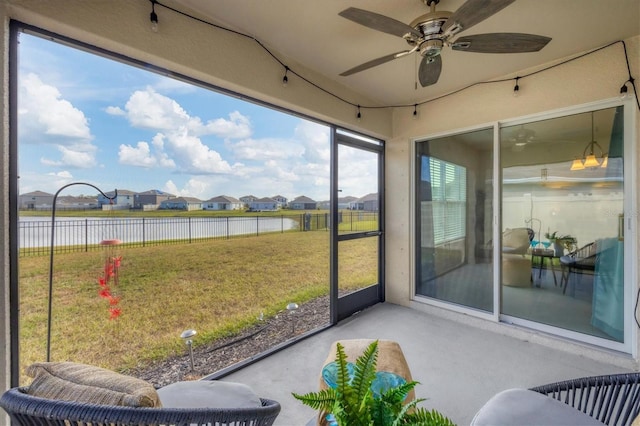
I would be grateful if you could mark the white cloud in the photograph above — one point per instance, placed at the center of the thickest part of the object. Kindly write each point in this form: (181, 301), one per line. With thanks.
(140, 155)
(198, 188)
(45, 117)
(114, 110)
(238, 126)
(265, 149)
(151, 110)
(315, 139)
(49, 182)
(79, 158)
(178, 144)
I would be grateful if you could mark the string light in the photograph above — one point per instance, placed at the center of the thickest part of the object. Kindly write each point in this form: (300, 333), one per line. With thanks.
(285, 79)
(358, 116)
(153, 17)
(516, 88)
(624, 90)
(415, 111)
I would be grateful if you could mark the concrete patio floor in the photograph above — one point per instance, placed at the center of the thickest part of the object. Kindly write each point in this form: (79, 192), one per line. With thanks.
(459, 366)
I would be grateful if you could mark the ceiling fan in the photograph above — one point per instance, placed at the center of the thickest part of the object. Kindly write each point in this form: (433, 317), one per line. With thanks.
(431, 32)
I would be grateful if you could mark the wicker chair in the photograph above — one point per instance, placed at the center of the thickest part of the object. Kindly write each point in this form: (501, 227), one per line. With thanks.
(612, 399)
(25, 409)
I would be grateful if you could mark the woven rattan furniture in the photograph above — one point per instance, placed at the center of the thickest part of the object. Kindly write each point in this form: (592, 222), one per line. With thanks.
(612, 399)
(26, 410)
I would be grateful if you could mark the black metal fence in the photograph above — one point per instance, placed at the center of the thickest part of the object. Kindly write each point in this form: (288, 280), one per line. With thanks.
(84, 234)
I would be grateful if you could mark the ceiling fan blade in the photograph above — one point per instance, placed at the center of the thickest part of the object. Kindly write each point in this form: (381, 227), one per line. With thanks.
(473, 12)
(429, 72)
(376, 62)
(378, 22)
(501, 43)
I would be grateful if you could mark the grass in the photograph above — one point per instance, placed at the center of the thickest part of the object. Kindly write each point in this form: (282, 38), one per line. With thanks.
(216, 287)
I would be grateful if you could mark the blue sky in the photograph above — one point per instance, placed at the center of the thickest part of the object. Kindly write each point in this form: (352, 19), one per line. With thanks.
(86, 118)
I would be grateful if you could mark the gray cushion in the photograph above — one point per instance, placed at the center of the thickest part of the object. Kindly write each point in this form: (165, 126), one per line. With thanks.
(69, 381)
(524, 407)
(208, 394)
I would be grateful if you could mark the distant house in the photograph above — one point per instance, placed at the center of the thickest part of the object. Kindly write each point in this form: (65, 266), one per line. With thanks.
(248, 199)
(264, 204)
(81, 202)
(153, 197)
(282, 201)
(181, 203)
(123, 200)
(303, 203)
(344, 203)
(367, 203)
(222, 202)
(36, 200)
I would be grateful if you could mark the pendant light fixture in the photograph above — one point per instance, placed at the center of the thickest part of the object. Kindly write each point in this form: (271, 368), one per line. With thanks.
(589, 159)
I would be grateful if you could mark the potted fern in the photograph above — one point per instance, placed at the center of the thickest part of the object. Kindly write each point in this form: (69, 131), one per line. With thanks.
(352, 402)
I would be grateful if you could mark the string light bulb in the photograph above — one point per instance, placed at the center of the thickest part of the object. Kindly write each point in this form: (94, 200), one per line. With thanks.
(285, 79)
(415, 111)
(516, 88)
(624, 90)
(358, 116)
(153, 17)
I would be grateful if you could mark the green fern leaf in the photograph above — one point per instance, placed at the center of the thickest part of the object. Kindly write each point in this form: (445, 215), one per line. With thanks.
(398, 394)
(323, 400)
(424, 417)
(365, 370)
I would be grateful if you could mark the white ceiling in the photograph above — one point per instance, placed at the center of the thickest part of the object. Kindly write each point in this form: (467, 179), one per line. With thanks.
(312, 34)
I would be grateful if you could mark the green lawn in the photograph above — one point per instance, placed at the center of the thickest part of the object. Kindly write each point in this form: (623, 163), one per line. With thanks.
(216, 287)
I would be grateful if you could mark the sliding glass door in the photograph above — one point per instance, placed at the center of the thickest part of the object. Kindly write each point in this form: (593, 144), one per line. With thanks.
(454, 219)
(551, 247)
(563, 181)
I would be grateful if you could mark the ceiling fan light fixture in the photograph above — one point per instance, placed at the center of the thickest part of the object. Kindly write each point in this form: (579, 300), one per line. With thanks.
(431, 48)
(433, 31)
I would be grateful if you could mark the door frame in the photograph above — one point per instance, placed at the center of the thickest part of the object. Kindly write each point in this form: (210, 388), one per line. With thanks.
(343, 307)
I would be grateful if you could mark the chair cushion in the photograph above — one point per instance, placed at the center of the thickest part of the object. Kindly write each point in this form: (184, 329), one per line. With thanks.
(515, 241)
(525, 407)
(208, 394)
(69, 381)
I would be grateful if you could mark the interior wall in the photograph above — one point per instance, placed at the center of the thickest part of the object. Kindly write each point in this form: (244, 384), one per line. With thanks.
(595, 77)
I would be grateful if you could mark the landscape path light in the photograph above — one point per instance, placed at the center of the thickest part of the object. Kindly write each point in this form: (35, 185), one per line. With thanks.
(292, 307)
(187, 336)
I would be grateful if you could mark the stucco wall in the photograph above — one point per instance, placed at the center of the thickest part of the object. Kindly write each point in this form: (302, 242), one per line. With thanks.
(595, 77)
(592, 78)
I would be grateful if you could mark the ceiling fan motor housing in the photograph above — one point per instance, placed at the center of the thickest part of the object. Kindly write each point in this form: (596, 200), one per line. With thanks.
(430, 26)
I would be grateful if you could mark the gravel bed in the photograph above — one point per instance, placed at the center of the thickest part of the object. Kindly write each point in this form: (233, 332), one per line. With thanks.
(231, 350)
